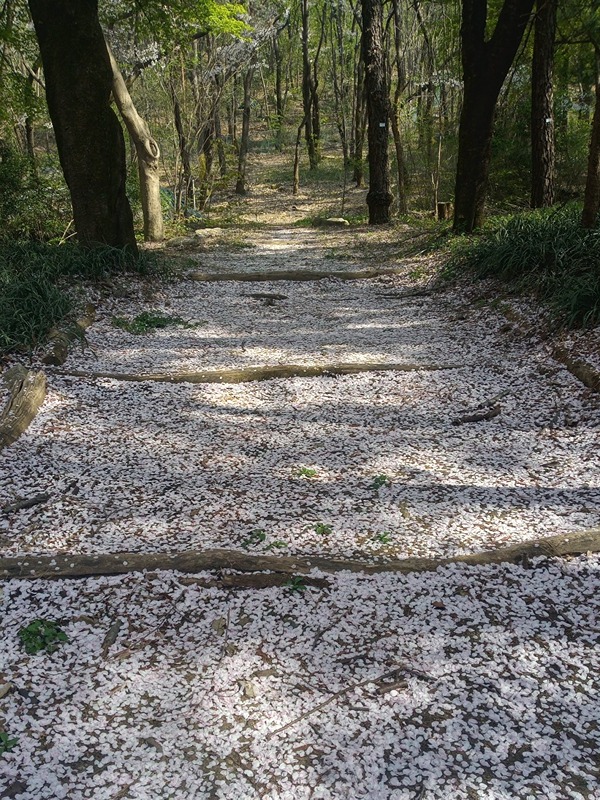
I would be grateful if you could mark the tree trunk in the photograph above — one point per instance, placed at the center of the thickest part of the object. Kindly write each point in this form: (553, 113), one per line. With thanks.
(307, 94)
(240, 186)
(542, 105)
(89, 138)
(379, 197)
(485, 67)
(186, 188)
(360, 122)
(401, 169)
(148, 155)
(474, 155)
(591, 202)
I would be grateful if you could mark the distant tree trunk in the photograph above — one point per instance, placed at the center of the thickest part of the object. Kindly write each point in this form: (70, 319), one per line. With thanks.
(542, 105)
(485, 67)
(308, 94)
(89, 138)
(240, 186)
(148, 155)
(591, 202)
(359, 122)
(379, 197)
(401, 169)
(185, 195)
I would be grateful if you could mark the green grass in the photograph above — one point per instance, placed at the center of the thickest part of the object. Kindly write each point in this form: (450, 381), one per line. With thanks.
(37, 282)
(546, 253)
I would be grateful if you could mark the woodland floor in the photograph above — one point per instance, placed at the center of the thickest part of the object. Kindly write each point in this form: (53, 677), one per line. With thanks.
(466, 682)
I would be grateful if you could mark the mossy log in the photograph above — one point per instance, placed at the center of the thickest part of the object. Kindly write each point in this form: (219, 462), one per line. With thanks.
(60, 341)
(248, 374)
(27, 393)
(297, 275)
(193, 561)
(579, 368)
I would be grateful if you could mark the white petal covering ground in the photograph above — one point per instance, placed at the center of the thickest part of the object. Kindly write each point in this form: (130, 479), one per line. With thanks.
(464, 683)
(151, 466)
(318, 322)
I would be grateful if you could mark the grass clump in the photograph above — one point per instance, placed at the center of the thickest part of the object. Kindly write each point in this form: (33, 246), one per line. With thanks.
(148, 321)
(37, 280)
(545, 252)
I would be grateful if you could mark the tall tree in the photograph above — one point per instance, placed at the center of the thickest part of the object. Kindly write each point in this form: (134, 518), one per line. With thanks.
(379, 196)
(591, 201)
(543, 150)
(486, 63)
(79, 81)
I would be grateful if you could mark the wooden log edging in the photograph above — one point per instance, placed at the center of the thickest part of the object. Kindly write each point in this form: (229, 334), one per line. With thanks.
(248, 374)
(296, 275)
(27, 393)
(579, 368)
(193, 561)
(60, 341)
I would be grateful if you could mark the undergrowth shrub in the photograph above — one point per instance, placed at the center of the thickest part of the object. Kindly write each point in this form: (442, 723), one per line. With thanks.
(33, 205)
(37, 282)
(545, 252)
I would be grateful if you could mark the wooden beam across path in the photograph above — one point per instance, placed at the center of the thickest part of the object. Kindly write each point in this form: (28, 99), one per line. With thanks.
(193, 561)
(297, 275)
(247, 374)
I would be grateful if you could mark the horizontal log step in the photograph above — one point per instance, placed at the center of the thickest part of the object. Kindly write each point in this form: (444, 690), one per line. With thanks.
(193, 561)
(247, 374)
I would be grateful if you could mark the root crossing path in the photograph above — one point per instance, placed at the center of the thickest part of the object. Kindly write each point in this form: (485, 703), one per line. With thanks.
(358, 415)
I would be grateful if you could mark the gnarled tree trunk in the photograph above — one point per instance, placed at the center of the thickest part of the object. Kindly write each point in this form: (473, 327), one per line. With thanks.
(89, 138)
(148, 155)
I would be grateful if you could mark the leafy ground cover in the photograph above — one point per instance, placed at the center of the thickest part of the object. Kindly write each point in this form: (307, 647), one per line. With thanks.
(546, 253)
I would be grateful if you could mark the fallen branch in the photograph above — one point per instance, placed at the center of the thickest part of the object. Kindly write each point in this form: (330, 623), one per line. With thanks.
(27, 393)
(247, 374)
(60, 341)
(379, 682)
(28, 502)
(297, 275)
(478, 416)
(193, 561)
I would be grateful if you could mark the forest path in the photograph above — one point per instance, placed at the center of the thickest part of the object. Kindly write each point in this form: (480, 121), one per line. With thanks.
(377, 464)
(465, 683)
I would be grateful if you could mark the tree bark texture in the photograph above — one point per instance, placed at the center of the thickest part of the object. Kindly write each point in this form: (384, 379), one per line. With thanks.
(148, 154)
(379, 197)
(591, 201)
(89, 138)
(543, 154)
(485, 66)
